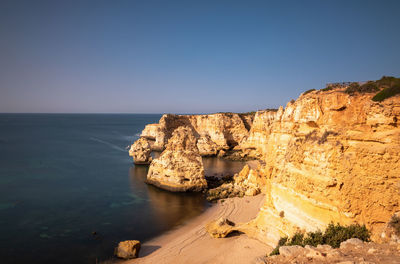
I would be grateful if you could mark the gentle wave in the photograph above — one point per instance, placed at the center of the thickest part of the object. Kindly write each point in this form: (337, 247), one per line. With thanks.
(108, 144)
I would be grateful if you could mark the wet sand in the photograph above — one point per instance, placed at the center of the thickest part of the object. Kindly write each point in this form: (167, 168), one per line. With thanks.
(192, 244)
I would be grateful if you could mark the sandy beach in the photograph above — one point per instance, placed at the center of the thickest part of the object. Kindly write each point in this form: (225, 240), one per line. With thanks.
(192, 244)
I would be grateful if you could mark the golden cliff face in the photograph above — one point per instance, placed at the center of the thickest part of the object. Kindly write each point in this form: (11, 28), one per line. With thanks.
(329, 156)
(224, 129)
(255, 145)
(180, 166)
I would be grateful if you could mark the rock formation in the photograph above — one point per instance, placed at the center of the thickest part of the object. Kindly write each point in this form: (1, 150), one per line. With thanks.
(220, 228)
(220, 131)
(155, 133)
(350, 251)
(206, 146)
(329, 156)
(247, 182)
(128, 249)
(255, 144)
(141, 151)
(180, 166)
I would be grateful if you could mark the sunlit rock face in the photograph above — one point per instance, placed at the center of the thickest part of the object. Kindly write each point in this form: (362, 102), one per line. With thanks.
(155, 133)
(206, 146)
(141, 151)
(180, 166)
(329, 156)
(224, 130)
(255, 144)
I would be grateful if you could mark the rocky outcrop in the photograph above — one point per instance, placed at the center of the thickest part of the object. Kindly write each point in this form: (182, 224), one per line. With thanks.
(206, 146)
(156, 135)
(255, 145)
(329, 156)
(180, 166)
(220, 228)
(247, 182)
(128, 249)
(391, 231)
(220, 131)
(141, 151)
(350, 251)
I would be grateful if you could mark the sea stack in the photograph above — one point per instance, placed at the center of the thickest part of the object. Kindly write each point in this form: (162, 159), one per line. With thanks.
(141, 151)
(180, 166)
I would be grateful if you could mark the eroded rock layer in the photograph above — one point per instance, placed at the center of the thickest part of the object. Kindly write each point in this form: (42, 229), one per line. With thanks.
(220, 131)
(140, 151)
(329, 156)
(247, 182)
(180, 166)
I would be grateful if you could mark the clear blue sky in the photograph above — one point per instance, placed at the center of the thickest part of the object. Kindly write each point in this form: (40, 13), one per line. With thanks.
(187, 56)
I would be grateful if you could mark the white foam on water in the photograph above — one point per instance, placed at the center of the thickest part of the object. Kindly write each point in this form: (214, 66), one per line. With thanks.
(108, 144)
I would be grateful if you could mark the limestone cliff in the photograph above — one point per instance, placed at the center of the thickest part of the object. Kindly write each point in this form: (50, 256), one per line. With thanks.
(220, 131)
(255, 144)
(329, 156)
(180, 166)
(247, 182)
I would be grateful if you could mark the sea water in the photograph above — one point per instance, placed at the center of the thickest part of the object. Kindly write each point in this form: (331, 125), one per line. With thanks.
(69, 192)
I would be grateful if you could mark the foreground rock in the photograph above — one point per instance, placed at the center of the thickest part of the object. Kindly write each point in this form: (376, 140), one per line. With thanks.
(141, 151)
(128, 249)
(350, 252)
(179, 167)
(247, 182)
(220, 228)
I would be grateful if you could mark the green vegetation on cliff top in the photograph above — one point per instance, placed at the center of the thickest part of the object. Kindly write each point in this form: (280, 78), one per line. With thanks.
(333, 236)
(384, 88)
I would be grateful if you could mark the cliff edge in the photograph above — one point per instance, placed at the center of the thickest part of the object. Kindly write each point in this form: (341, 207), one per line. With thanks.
(332, 155)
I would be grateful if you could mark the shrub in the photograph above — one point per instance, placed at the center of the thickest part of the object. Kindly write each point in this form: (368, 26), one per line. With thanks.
(308, 91)
(387, 81)
(333, 236)
(248, 113)
(353, 87)
(328, 88)
(314, 238)
(281, 242)
(296, 240)
(336, 234)
(387, 93)
(395, 223)
(368, 87)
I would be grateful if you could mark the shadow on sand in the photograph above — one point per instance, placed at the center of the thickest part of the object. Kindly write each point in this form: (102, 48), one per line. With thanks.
(147, 250)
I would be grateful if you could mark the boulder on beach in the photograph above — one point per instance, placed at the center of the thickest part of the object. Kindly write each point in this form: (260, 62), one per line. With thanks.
(180, 166)
(220, 228)
(128, 249)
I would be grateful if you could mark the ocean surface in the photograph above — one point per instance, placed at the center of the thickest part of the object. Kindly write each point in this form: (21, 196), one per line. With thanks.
(69, 192)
